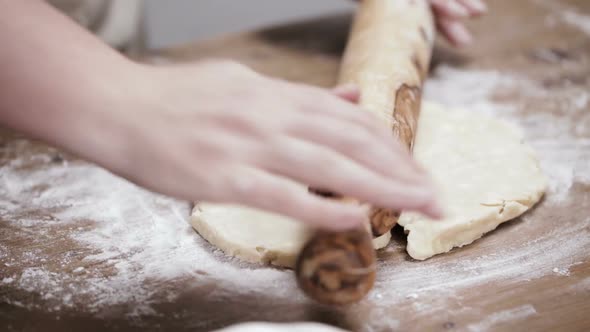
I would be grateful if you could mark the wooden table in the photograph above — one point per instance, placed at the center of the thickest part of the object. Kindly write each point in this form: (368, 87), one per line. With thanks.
(545, 43)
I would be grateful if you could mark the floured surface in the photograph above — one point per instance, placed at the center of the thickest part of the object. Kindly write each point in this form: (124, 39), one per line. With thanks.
(485, 173)
(83, 250)
(253, 235)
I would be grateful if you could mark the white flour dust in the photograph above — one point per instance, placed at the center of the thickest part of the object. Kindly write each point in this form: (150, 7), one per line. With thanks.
(578, 20)
(140, 236)
(130, 243)
(503, 316)
(566, 14)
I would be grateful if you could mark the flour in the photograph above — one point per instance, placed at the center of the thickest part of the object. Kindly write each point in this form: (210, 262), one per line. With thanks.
(562, 271)
(129, 244)
(503, 316)
(577, 20)
(141, 235)
(567, 14)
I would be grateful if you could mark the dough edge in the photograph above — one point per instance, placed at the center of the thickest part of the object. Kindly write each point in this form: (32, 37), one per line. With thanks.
(421, 248)
(280, 258)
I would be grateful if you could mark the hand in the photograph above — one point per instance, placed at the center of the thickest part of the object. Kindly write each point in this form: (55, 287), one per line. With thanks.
(214, 131)
(448, 15)
(220, 132)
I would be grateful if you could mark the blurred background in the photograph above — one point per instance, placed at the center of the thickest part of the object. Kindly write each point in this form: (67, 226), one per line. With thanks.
(179, 21)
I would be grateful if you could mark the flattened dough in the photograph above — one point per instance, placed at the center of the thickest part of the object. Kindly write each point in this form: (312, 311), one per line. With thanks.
(485, 173)
(486, 176)
(254, 235)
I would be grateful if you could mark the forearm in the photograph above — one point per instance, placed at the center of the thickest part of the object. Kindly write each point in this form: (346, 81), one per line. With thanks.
(56, 78)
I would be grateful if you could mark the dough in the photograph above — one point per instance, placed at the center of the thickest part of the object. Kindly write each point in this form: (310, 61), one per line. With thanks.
(485, 173)
(280, 327)
(486, 176)
(254, 235)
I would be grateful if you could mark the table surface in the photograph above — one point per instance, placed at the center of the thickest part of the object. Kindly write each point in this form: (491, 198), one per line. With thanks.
(531, 273)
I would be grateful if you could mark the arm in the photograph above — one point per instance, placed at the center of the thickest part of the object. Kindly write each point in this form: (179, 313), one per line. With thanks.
(213, 131)
(57, 79)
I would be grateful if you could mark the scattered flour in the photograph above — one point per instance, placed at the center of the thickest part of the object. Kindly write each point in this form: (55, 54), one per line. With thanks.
(578, 20)
(561, 271)
(382, 321)
(503, 316)
(142, 237)
(128, 243)
(566, 14)
(78, 270)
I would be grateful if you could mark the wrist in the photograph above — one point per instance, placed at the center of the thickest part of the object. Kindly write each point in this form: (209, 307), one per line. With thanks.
(97, 124)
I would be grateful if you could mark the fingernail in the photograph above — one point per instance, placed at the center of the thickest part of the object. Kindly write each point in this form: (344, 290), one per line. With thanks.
(457, 9)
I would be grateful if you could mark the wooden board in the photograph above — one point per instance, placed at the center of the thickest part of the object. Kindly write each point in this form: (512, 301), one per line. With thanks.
(545, 43)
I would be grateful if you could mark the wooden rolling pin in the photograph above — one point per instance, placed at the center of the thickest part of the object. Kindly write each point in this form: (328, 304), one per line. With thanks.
(387, 57)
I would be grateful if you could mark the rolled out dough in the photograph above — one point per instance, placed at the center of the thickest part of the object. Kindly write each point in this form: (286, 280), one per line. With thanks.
(486, 176)
(485, 173)
(254, 235)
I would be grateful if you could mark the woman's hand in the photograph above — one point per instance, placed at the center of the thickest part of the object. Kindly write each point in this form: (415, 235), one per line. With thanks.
(449, 14)
(214, 131)
(220, 132)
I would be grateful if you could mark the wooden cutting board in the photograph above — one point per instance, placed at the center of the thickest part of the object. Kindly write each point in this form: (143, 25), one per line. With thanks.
(532, 273)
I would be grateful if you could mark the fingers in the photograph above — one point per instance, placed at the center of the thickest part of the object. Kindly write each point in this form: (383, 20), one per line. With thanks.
(273, 193)
(330, 128)
(458, 9)
(382, 131)
(321, 167)
(322, 109)
(449, 9)
(454, 31)
(313, 101)
(449, 12)
(380, 154)
(475, 7)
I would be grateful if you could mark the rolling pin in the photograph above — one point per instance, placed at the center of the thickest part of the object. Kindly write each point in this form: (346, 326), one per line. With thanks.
(387, 57)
